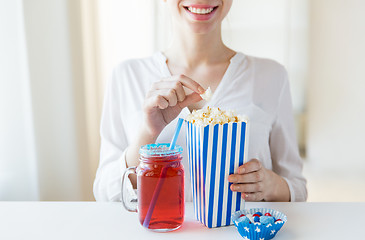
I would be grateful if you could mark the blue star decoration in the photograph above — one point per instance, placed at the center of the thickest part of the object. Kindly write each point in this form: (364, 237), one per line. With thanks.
(272, 232)
(257, 230)
(247, 229)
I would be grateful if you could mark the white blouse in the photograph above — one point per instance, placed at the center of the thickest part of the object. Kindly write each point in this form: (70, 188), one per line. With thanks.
(255, 87)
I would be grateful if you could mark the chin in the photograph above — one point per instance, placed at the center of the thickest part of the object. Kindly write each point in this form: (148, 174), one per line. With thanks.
(201, 29)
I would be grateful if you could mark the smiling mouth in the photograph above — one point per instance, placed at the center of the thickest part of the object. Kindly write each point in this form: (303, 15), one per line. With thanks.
(200, 10)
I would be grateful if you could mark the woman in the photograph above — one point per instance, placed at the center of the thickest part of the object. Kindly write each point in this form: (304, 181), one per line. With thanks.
(145, 97)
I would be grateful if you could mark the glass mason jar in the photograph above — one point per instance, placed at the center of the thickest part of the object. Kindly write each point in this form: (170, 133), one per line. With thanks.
(160, 187)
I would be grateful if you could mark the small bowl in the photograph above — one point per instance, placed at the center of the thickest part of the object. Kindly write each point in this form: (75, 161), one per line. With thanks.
(258, 231)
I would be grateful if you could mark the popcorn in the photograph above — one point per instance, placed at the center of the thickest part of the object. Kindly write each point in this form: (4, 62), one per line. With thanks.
(213, 116)
(207, 95)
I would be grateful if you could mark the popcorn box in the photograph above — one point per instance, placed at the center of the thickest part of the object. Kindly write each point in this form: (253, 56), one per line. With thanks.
(215, 151)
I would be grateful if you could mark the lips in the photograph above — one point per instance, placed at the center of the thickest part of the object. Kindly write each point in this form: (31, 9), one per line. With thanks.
(201, 12)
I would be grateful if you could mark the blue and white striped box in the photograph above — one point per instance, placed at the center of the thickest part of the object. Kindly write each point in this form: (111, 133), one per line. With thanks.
(215, 152)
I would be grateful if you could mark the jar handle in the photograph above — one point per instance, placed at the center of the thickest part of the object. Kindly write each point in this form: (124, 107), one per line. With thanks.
(129, 201)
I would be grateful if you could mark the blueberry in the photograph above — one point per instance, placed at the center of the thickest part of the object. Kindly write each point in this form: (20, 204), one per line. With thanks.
(258, 213)
(267, 220)
(256, 219)
(243, 220)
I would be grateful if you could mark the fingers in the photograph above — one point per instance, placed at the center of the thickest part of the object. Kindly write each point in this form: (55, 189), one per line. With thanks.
(190, 99)
(246, 178)
(248, 187)
(163, 98)
(159, 102)
(187, 82)
(251, 166)
(250, 181)
(170, 96)
(250, 192)
(253, 197)
(170, 92)
(175, 85)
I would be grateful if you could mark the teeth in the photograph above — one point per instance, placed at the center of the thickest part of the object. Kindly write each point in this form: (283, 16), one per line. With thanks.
(200, 10)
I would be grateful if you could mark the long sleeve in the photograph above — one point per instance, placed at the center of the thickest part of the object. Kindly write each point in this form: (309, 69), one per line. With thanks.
(107, 184)
(284, 149)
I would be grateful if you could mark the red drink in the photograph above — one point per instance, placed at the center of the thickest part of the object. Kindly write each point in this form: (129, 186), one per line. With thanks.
(160, 185)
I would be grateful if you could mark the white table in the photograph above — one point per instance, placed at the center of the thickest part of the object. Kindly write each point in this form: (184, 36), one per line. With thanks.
(90, 220)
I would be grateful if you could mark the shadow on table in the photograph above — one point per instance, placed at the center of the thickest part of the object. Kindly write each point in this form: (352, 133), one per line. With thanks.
(197, 227)
(192, 226)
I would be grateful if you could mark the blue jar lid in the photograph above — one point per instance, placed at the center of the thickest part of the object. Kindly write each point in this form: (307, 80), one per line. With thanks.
(159, 149)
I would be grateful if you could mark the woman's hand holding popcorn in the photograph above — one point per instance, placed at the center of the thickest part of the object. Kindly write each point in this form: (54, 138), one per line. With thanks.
(166, 99)
(163, 103)
(256, 183)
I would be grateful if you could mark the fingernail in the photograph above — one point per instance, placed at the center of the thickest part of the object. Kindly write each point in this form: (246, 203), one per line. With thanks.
(231, 179)
(201, 90)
